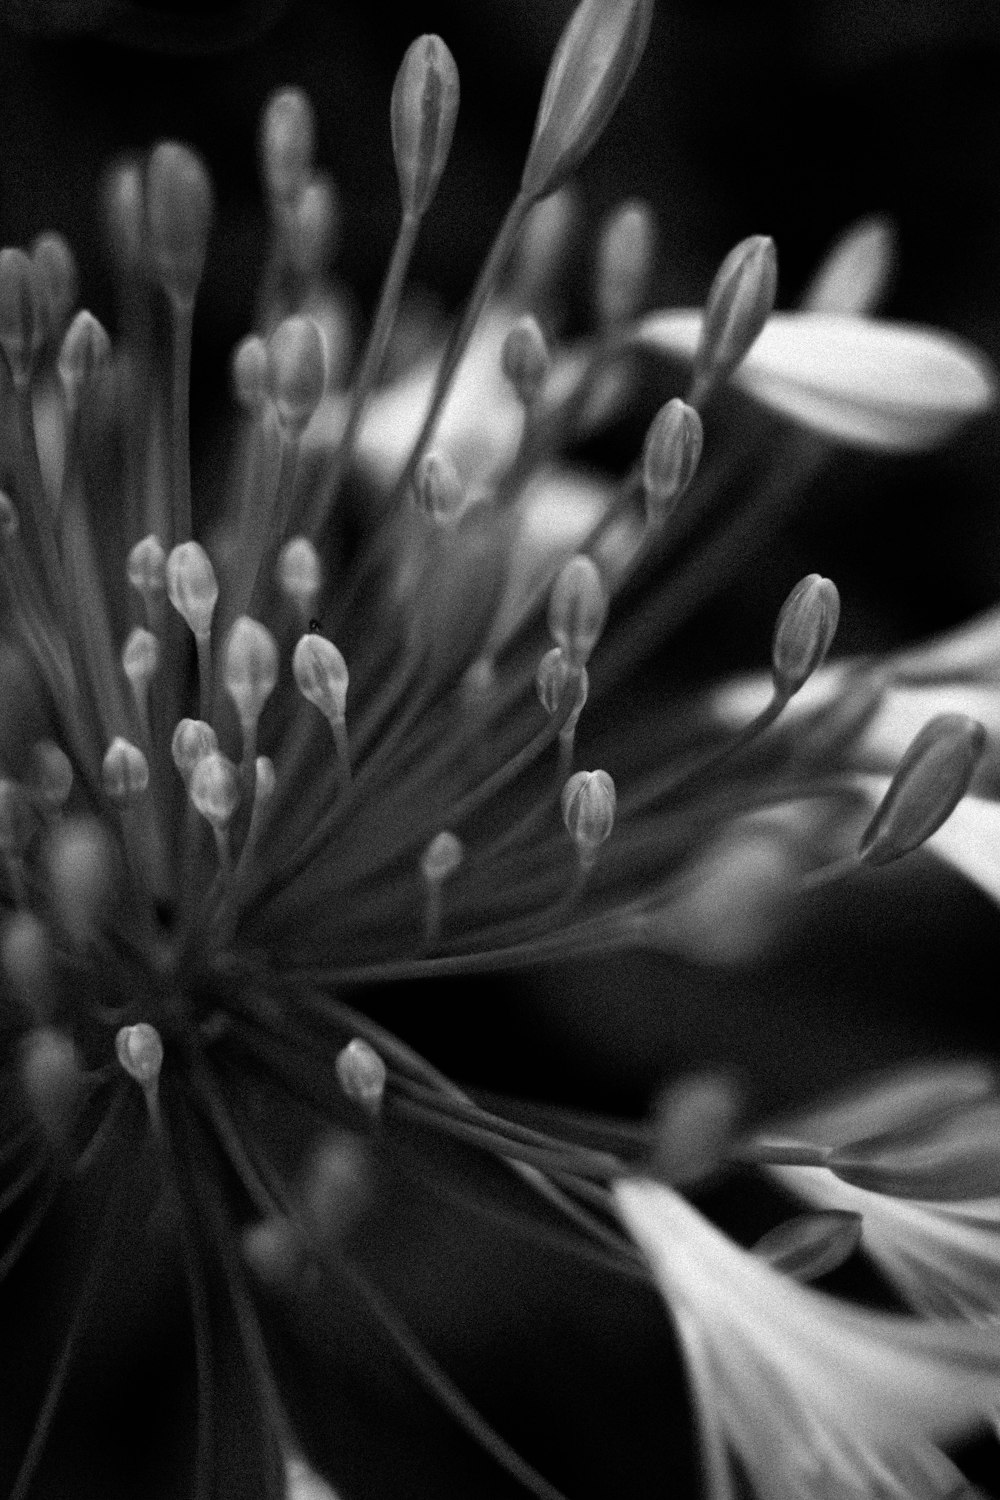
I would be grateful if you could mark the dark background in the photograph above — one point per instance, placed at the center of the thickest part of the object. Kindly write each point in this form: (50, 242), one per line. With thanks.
(787, 118)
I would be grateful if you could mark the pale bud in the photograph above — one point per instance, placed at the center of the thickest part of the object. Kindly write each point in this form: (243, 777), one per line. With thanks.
(929, 782)
(52, 1077)
(125, 211)
(670, 457)
(56, 280)
(438, 487)
(140, 657)
(147, 569)
(554, 679)
(300, 573)
(84, 357)
(265, 779)
(361, 1074)
(544, 242)
(250, 372)
(249, 669)
(588, 809)
(310, 226)
(422, 115)
(811, 1245)
(803, 634)
(79, 864)
(139, 1050)
(739, 303)
(321, 675)
(192, 740)
(26, 958)
(696, 1119)
(442, 857)
(214, 789)
(21, 318)
(53, 777)
(578, 606)
(525, 360)
(179, 202)
(124, 771)
(287, 142)
(192, 587)
(624, 263)
(296, 371)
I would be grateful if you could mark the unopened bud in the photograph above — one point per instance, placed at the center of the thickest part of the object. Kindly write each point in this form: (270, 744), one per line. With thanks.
(525, 360)
(56, 280)
(578, 606)
(803, 634)
(140, 657)
(53, 778)
(670, 457)
(588, 809)
(592, 66)
(423, 113)
(739, 303)
(178, 215)
(147, 569)
(84, 357)
(21, 316)
(310, 226)
(124, 771)
(192, 587)
(214, 789)
(321, 675)
(139, 1050)
(249, 669)
(52, 1077)
(264, 779)
(929, 782)
(300, 574)
(811, 1245)
(554, 679)
(125, 211)
(442, 857)
(287, 142)
(438, 487)
(544, 243)
(250, 372)
(361, 1074)
(696, 1119)
(624, 263)
(296, 371)
(192, 740)
(26, 959)
(79, 865)
(10, 521)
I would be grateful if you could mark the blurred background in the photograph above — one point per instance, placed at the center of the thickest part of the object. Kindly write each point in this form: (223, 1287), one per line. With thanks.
(786, 117)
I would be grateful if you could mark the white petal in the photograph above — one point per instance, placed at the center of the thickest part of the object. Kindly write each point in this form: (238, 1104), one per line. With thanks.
(971, 651)
(970, 842)
(859, 380)
(854, 275)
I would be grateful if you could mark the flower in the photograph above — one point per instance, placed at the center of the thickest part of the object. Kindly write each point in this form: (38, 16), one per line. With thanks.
(294, 736)
(807, 1396)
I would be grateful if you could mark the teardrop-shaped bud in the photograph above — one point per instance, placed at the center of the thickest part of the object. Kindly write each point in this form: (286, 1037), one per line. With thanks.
(179, 203)
(804, 632)
(525, 360)
(311, 225)
(592, 66)
(140, 657)
(544, 243)
(215, 789)
(811, 1245)
(442, 857)
(125, 211)
(670, 457)
(192, 740)
(79, 865)
(695, 1125)
(437, 487)
(423, 113)
(139, 1050)
(52, 774)
(147, 569)
(53, 1077)
(55, 279)
(554, 679)
(249, 669)
(624, 263)
(287, 142)
(26, 961)
(300, 574)
(321, 675)
(588, 809)
(84, 357)
(124, 771)
(361, 1074)
(929, 782)
(739, 303)
(296, 371)
(22, 327)
(192, 587)
(578, 606)
(249, 369)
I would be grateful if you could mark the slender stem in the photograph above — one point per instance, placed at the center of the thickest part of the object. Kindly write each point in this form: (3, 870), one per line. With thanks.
(182, 311)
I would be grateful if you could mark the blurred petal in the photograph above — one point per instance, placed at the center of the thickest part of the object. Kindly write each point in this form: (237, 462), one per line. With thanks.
(970, 843)
(854, 276)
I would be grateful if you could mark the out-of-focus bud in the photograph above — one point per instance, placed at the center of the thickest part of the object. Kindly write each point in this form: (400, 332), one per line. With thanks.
(544, 243)
(26, 960)
(52, 778)
(214, 789)
(437, 487)
(525, 360)
(804, 632)
(361, 1074)
(423, 113)
(139, 1050)
(578, 606)
(442, 857)
(310, 226)
(296, 371)
(125, 211)
(147, 569)
(588, 809)
(192, 740)
(56, 280)
(80, 869)
(249, 669)
(592, 66)
(287, 142)
(179, 203)
(930, 780)
(624, 263)
(193, 587)
(250, 371)
(321, 676)
(52, 1078)
(696, 1120)
(554, 679)
(84, 357)
(739, 303)
(670, 458)
(124, 771)
(22, 326)
(300, 574)
(811, 1245)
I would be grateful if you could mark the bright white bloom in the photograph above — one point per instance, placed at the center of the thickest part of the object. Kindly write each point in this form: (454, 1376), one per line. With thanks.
(813, 1399)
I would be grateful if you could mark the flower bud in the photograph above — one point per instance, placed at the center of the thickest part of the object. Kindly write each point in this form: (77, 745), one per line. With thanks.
(803, 634)
(84, 357)
(287, 142)
(592, 66)
(554, 678)
(53, 774)
(139, 1050)
(52, 1077)
(739, 303)
(578, 606)
(300, 574)
(588, 809)
(22, 326)
(55, 280)
(624, 262)
(192, 587)
(214, 789)
(811, 1245)
(147, 569)
(670, 457)
(178, 217)
(929, 782)
(696, 1119)
(544, 242)
(140, 657)
(250, 371)
(296, 371)
(321, 675)
(249, 669)
(192, 740)
(26, 960)
(438, 487)
(124, 771)
(265, 779)
(423, 113)
(125, 211)
(361, 1074)
(525, 360)
(79, 868)
(442, 857)
(310, 226)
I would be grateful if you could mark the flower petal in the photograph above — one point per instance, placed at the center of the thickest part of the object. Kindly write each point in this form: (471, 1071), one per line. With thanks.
(855, 272)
